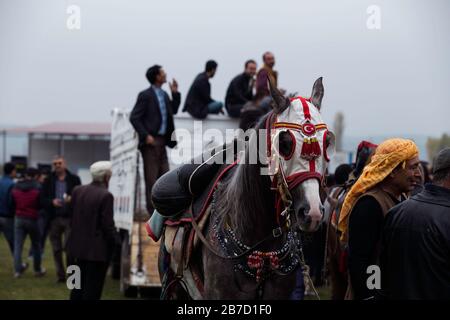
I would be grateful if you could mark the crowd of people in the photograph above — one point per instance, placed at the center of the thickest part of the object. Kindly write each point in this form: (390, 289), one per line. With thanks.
(388, 209)
(388, 212)
(77, 219)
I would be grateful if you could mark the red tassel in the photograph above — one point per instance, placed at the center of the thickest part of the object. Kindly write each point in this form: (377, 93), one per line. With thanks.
(310, 149)
(306, 149)
(315, 148)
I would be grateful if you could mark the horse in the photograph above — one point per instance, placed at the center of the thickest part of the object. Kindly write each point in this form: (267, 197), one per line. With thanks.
(250, 245)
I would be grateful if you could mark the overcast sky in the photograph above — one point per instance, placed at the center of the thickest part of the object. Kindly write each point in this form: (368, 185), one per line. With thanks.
(395, 80)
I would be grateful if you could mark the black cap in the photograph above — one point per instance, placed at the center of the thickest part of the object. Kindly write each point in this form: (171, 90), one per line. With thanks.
(442, 160)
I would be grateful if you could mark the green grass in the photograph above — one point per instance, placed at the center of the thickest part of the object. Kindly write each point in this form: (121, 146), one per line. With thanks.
(29, 287)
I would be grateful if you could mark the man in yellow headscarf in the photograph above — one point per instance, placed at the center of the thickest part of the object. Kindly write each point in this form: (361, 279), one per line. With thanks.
(392, 172)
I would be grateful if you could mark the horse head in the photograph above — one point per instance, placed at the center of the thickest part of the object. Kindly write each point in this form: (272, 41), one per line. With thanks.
(299, 149)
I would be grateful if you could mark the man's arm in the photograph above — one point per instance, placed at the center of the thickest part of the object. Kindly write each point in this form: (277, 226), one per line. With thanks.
(176, 100)
(204, 90)
(138, 113)
(107, 220)
(236, 91)
(365, 224)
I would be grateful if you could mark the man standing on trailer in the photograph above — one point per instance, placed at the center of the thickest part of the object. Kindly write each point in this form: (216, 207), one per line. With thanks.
(152, 118)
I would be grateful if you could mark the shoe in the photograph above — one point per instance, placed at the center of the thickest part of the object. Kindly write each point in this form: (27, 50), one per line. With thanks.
(24, 267)
(17, 275)
(40, 273)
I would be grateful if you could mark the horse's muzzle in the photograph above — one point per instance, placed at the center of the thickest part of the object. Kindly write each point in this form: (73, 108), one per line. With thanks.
(310, 220)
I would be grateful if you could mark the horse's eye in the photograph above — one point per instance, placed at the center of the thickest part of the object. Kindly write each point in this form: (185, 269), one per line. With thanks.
(287, 144)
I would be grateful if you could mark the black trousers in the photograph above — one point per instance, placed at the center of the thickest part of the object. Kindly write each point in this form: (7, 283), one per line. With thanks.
(93, 275)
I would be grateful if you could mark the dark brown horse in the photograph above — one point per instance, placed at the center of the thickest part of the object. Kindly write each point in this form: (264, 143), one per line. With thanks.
(251, 247)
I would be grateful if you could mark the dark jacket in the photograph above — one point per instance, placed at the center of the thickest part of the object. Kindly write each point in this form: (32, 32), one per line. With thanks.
(92, 234)
(6, 185)
(365, 227)
(49, 193)
(146, 115)
(239, 91)
(198, 97)
(26, 199)
(415, 259)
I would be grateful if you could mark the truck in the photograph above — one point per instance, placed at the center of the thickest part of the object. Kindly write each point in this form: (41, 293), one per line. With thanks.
(135, 262)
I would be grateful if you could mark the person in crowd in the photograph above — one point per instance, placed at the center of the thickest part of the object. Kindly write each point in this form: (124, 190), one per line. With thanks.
(43, 220)
(26, 203)
(152, 118)
(56, 193)
(93, 234)
(6, 211)
(415, 260)
(392, 171)
(251, 112)
(337, 251)
(263, 74)
(240, 90)
(198, 101)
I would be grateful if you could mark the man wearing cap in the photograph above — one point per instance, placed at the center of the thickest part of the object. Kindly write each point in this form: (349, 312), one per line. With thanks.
(392, 171)
(415, 259)
(93, 234)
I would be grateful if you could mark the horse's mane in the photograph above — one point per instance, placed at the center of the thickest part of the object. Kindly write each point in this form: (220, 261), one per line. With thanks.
(245, 197)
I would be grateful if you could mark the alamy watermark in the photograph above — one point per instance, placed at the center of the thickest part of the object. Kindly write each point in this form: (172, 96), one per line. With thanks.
(374, 19)
(73, 21)
(74, 278)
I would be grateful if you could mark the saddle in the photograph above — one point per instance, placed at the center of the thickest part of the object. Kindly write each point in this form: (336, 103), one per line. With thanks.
(182, 195)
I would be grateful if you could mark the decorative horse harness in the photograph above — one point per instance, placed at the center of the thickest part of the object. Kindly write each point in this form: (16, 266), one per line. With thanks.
(258, 264)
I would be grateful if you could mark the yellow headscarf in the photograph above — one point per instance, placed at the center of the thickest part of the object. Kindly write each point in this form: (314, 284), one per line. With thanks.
(386, 158)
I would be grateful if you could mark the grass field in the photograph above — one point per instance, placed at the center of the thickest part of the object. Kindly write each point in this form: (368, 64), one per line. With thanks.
(29, 287)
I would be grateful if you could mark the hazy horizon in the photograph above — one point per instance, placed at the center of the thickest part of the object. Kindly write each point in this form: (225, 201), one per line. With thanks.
(385, 81)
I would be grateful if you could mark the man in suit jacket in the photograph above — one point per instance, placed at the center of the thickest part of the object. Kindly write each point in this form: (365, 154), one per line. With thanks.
(93, 234)
(152, 118)
(240, 90)
(198, 101)
(56, 197)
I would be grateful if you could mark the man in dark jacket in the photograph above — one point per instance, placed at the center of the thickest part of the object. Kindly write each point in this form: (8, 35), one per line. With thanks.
(26, 204)
(6, 212)
(93, 234)
(240, 90)
(392, 171)
(152, 118)
(56, 194)
(415, 259)
(198, 101)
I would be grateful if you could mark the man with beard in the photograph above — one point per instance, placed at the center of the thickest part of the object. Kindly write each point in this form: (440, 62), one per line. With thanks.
(392, 172)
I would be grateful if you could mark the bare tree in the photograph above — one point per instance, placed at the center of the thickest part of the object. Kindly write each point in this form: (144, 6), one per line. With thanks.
(339, 129)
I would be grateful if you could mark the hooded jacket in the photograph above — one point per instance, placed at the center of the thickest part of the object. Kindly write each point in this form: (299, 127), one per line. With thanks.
(26, 199)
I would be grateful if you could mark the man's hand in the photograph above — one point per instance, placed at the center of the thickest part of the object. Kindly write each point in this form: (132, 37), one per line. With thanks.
(173, 85)
(57, 203)
(67, 199)
(149, 140)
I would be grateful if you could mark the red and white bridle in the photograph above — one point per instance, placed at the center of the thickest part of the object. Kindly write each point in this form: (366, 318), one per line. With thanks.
(303, 122)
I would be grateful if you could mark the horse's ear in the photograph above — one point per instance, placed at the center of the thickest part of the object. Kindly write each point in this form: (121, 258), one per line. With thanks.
(317, 93)
(280, 102)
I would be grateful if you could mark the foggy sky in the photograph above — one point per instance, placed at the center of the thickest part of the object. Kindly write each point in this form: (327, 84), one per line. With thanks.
(395, 80)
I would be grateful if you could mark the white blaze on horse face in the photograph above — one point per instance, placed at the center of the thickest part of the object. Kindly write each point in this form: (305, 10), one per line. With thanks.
(312, 195)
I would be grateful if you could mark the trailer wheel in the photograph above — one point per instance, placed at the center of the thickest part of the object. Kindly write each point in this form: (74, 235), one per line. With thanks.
(125, 264)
